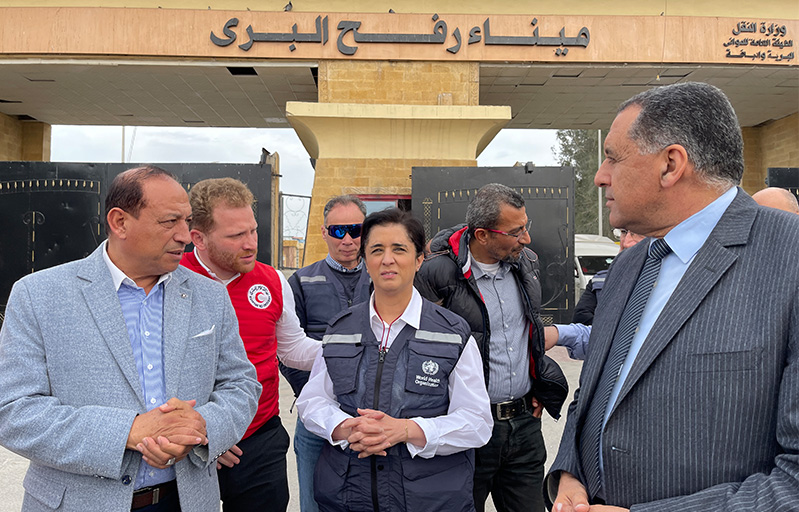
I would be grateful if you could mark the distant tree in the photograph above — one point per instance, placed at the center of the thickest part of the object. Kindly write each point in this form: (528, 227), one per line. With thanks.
(578, 149)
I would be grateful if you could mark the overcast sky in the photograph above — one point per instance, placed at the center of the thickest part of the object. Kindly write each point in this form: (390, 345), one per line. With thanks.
(243, 145)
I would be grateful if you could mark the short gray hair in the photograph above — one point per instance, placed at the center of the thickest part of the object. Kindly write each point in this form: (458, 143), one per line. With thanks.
(343, 200)
(700, 118)
(483, 211)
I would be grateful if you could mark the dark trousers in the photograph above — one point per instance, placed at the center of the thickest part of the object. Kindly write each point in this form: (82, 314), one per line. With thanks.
(511, 466)
(259, 482)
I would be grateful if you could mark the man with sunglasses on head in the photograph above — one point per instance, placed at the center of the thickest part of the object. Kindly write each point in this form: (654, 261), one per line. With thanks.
(321, 291)
(252, 474)
(484, 272)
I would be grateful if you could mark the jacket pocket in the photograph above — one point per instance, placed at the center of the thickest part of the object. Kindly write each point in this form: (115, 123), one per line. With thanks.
(713, 362)
(330, 476)
(342, 355)
(439, 483)
(429, 366)
(47, 492)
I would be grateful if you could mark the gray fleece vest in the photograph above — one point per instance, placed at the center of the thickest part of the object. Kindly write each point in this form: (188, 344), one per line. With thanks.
(412, 380)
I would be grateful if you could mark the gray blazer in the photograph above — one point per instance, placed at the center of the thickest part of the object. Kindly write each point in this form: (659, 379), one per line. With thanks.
(69, 388)
(708, 417)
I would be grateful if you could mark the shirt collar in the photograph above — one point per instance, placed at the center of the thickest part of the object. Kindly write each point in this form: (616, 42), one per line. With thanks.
(691, 234)
(477, 270)
(411, 316)
(211, 272)
(335, 265)
(118, 277)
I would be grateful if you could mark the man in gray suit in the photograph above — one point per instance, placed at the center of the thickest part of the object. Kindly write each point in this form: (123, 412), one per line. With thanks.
(688, 395)
(122, 376)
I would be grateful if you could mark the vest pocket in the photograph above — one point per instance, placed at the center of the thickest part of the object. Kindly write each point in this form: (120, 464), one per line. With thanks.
(439, 483)
(429, 366)
(343, 360)
(330, 475)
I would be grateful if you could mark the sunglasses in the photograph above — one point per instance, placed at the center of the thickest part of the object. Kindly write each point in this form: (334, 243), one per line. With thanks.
(339, 231)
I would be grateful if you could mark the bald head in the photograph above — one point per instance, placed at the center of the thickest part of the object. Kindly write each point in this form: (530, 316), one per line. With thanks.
(779, 198)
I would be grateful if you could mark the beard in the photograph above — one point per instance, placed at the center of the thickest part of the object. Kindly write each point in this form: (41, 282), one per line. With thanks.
(231, 261)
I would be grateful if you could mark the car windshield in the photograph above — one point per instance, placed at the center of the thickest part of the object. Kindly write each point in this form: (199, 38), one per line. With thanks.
(593, 264)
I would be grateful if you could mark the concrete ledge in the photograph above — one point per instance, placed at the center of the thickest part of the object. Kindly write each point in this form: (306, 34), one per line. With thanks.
(350, 130)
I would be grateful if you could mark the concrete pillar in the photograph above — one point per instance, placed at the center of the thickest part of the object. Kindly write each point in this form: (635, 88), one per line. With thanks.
(375, 121)
(371, 149)
(24, 140)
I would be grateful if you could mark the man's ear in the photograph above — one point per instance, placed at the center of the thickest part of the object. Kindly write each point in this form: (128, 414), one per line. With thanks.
(676, 165)
(116, 218)
(198, 239)
(480, 235)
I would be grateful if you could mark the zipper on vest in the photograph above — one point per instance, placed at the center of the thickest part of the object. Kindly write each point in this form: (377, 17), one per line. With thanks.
(381, 358)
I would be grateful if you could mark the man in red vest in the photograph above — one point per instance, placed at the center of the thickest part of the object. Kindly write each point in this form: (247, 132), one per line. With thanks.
(252, 474)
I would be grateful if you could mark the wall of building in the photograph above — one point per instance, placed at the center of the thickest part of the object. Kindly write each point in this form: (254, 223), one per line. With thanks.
(765, 8)
(773, 144)
(24, 140)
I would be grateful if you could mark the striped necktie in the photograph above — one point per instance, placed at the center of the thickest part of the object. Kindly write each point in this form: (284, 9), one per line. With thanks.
(625, 332)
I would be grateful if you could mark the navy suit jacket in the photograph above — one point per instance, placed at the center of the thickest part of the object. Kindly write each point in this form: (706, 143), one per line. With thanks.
(708, 418)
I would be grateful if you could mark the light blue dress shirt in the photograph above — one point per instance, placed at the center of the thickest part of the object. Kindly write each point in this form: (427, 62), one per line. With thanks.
(144, 318)
(508, 361)
(685, 240)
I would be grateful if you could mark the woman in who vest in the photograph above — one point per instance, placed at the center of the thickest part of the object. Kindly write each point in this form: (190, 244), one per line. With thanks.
(398, 390)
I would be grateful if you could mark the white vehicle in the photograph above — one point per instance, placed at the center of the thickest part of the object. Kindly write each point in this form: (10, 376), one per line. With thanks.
(592, 253)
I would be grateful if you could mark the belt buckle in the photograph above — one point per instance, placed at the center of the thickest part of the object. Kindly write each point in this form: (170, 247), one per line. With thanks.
(154, 490)
(498, 410)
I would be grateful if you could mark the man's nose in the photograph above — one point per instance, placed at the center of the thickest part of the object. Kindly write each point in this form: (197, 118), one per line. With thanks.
(602, 177)
(251, 241)
(182, 233)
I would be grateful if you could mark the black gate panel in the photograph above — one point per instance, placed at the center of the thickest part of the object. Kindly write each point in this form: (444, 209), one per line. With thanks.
(440, 196)
(784, 177)
(52, 213)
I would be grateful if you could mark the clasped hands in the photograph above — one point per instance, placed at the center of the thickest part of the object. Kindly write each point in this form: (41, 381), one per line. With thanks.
(572, 497)
(374, 432)
(167, 432)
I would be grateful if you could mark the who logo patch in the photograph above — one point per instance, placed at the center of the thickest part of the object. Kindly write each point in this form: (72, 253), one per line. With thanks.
(430, 367)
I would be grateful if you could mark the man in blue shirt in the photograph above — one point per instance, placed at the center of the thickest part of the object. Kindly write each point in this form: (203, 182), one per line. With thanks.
(122, 376)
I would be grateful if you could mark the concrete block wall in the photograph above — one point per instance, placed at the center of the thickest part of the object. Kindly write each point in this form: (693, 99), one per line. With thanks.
(29, 141)
(10, 138)
(399, 83)
(773, 144)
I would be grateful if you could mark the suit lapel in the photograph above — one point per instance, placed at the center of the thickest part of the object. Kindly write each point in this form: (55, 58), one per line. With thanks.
(177, 315)
(103, 303)
(712, 261)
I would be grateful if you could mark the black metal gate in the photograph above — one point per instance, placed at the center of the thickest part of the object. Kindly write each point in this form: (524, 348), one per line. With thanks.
(440, 196)
(52, 213)
(784, 177)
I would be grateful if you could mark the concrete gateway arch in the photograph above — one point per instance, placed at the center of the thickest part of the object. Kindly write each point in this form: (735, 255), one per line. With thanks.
(374, 88)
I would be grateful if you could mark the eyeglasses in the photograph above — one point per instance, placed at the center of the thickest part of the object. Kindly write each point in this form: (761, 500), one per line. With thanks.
(339, 231)
(518, 235)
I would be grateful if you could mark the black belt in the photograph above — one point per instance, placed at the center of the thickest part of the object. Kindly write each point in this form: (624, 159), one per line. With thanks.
(512, 408)
(147, 496)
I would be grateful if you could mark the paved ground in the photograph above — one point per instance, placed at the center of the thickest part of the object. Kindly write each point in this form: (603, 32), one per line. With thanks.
(12, 467)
